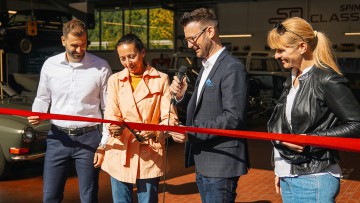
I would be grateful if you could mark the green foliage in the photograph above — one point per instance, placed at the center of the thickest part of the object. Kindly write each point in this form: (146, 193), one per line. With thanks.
(160, 29)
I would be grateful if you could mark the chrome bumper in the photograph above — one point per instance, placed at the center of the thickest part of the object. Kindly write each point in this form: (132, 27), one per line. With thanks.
(27, 157)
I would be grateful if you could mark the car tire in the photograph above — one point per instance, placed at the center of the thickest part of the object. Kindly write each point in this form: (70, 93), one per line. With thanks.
(25, 45)
(4, 165)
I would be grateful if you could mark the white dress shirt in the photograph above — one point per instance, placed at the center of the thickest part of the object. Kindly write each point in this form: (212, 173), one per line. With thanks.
(77, 89)
(208, 65)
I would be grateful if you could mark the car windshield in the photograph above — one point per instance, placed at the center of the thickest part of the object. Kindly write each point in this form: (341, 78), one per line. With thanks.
(8, 92)
(19, 19)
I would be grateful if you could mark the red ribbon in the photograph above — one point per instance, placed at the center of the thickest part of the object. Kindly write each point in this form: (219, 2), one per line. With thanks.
(346, 144)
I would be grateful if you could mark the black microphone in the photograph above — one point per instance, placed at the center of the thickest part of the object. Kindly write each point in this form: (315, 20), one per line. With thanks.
(181, 74)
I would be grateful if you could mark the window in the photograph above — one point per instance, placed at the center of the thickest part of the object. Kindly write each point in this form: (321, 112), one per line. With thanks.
(161, 29)
(153, 26)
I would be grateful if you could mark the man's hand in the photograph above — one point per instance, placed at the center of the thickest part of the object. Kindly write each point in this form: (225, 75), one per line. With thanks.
(296, 148)
(178, 137)
(178, 88)
(34, 120)
(277, 185)
(99, 157)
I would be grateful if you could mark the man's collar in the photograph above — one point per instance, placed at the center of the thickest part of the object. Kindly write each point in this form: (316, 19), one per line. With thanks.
(66, 61)
(212, 59)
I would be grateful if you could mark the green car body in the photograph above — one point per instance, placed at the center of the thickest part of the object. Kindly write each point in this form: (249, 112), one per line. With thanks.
(16, 132)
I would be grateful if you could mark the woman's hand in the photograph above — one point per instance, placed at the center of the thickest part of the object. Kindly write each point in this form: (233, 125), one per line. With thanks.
(116, 130)
(146, 135)
(178, 137)
(277, 185)
(296, 148)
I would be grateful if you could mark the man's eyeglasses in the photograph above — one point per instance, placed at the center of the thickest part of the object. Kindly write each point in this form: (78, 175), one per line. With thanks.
(194, 38)
(281, 29)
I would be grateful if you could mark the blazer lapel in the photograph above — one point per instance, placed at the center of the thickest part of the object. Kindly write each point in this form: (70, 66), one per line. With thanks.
(192, 102)
(211, 74)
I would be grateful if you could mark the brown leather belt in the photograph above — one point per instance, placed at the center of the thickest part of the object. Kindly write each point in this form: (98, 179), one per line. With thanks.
(75, 131)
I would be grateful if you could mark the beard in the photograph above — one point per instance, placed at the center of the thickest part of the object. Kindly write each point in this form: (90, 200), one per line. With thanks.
(205, 49)
(75, 57)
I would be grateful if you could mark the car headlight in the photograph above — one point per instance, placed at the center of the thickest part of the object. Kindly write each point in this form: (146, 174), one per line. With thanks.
(2, 32)
(28, 134)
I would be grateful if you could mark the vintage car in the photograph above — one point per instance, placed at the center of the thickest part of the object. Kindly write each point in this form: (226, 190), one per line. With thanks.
(29, 29)
(19, 141)
(266, 78)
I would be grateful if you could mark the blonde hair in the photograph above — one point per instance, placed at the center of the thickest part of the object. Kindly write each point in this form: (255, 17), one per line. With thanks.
(319, 43)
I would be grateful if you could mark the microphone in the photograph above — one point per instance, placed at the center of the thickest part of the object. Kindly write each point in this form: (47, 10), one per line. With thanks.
(181, 74)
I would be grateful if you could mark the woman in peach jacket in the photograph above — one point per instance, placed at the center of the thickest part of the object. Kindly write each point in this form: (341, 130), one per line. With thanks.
(141, 94)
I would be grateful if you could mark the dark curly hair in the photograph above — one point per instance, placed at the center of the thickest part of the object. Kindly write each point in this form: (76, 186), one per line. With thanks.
(201, 15)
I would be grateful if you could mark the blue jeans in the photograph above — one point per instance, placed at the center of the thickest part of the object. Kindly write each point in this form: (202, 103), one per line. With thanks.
(310, 188)
(147, 190)
(216, 189)
(61, 150)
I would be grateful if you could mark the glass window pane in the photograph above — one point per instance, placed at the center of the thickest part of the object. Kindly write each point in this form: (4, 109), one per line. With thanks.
(161, 29)
(93, 35)
(136, 23)
(111, 30)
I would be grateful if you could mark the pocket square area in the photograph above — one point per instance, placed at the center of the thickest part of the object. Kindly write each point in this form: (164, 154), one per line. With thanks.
(209, 83)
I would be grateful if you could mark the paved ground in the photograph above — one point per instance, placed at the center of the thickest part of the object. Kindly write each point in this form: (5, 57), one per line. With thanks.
(25, 182)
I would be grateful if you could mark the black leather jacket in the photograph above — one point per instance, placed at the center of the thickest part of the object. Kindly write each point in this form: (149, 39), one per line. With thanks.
(323, 106)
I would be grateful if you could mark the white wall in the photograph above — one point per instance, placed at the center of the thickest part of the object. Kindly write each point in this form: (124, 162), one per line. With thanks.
(334, 17)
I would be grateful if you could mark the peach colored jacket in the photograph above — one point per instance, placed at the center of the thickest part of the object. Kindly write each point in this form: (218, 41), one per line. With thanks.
(125, 158)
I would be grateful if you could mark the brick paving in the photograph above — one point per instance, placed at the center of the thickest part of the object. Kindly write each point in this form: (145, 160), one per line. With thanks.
(25, 185)
(258, 184)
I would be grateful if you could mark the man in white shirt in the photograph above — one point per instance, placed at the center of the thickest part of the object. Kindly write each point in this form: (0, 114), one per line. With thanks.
(73, 83)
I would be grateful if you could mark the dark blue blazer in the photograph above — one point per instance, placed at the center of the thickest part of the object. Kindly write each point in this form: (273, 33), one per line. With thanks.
(222, 105)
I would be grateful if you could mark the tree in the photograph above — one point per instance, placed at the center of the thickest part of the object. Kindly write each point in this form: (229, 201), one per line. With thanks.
(136, 21)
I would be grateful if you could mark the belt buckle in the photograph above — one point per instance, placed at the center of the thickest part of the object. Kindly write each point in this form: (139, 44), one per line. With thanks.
(70, 131)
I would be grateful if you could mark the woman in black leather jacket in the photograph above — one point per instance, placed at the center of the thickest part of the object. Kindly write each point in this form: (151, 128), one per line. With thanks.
(315, 101)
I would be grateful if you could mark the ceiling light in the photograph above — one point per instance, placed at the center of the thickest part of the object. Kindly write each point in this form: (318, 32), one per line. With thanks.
(236, 36)
(351, 33)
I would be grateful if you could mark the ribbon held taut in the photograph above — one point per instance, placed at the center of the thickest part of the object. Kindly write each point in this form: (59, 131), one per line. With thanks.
(346, 144)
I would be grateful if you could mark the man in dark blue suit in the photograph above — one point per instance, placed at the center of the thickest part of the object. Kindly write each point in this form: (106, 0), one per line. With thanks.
(218, 101)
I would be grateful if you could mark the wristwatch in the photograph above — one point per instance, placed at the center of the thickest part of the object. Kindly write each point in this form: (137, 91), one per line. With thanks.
(102, 146)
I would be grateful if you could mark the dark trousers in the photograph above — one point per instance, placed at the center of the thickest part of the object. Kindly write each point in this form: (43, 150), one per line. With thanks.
(216, 189)
(62, 150)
